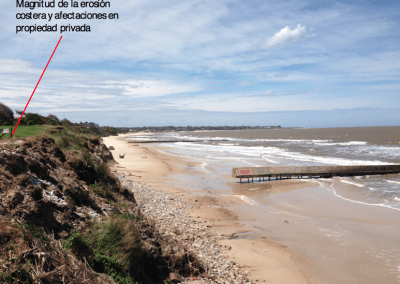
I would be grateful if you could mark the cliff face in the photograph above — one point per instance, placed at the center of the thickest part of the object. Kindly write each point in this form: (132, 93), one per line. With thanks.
(54, 206)
(44, 196)
(39, 183)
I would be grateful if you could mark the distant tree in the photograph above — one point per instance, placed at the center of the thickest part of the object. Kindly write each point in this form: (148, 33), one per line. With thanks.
(35, 119)
(19, 112)
(53, 119)
(66, 122)
(6, 115)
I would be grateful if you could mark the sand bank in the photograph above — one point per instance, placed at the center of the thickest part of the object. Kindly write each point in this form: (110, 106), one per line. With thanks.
(264, 260)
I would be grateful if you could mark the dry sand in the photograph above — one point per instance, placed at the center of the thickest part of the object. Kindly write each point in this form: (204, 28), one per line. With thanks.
(265, 260)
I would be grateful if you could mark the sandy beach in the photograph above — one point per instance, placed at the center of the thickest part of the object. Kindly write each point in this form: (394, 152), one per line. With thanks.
(283, 231)
(264, 260)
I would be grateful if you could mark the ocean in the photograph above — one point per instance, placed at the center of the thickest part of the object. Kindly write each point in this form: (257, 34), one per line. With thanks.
(220, 151)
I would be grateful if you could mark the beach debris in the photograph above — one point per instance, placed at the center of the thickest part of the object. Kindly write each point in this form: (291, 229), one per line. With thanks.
(286, 221)
(111, 147)
(121, 156)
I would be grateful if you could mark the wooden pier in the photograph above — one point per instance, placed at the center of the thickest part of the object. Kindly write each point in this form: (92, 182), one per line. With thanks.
(171, 141)
(316, 171)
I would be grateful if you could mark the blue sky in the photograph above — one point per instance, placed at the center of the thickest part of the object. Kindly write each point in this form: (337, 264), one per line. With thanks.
(222, 62)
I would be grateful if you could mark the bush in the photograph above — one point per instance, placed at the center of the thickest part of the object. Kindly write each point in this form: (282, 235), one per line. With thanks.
(6, 115)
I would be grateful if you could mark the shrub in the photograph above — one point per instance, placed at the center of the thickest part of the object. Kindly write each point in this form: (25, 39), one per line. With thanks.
(6, 115)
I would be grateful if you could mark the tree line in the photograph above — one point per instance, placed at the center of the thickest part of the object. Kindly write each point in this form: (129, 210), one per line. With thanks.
(7, 118)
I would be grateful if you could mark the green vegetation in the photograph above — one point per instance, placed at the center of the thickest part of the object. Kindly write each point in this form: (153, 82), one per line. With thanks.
(109, 247)
(31, 232)
(110, 266)
(79, 245)
(20, 275)
(6, 115)
(24, 131)
(36, 124)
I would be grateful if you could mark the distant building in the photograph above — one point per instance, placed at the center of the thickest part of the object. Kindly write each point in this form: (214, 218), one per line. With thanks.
(90, 125)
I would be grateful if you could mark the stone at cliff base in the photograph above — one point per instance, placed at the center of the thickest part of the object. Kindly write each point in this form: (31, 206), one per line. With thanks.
(175, 278)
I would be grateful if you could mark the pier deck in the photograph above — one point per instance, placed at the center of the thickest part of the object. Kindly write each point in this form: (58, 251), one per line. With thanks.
(171, 141)
(314, 171)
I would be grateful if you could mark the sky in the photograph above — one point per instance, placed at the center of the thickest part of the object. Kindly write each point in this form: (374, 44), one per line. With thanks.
(210, 62)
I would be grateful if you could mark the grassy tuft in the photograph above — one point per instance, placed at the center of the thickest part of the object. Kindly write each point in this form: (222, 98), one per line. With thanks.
(108, 247)
(20, 275)
(118, 238)
(79, 244)
(109, 265)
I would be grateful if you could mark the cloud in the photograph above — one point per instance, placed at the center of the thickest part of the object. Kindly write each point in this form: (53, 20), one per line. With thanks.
(245, 83)
(265, 94)
(287, 35)
(75, 90)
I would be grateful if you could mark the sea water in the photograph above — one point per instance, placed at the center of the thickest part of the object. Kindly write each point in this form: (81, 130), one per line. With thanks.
(220, 151)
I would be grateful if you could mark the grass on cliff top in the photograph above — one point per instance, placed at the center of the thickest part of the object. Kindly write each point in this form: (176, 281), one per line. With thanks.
(25, 131)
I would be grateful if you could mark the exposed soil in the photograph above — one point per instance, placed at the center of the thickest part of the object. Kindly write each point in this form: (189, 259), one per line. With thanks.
(48, 189)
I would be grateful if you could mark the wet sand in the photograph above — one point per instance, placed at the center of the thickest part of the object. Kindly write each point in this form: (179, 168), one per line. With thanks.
(341, 241)
(265, 260)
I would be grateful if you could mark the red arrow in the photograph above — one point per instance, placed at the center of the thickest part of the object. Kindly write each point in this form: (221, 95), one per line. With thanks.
(37, 85)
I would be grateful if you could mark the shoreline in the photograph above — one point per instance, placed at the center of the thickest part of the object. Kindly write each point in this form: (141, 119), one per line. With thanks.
(260, 259)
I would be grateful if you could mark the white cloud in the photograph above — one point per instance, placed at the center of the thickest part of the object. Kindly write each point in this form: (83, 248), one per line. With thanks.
(287, 35)
(155, 88)
(245, 83)
(73, 90)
